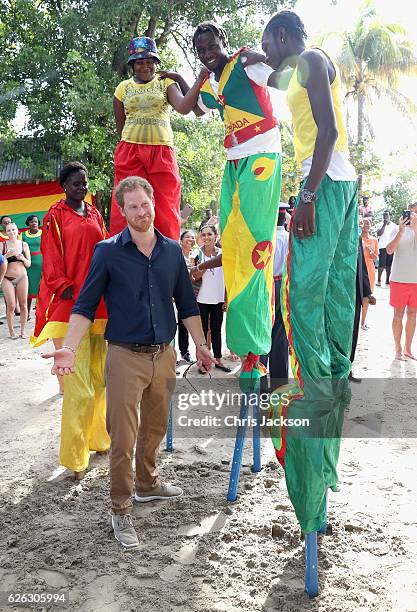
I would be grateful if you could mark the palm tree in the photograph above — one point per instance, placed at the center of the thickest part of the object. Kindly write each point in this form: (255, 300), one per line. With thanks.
(373, 57)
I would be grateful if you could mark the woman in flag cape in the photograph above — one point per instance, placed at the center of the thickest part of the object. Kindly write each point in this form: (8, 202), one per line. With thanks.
(72, 228)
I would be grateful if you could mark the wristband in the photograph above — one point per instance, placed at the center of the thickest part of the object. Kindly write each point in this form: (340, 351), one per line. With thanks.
(203, 344)
(70, 348)
(198, 268)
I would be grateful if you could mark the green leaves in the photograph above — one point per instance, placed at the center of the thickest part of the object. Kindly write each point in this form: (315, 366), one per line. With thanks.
(291, 175)
(201, 157)
(399, 194)
(61, 60)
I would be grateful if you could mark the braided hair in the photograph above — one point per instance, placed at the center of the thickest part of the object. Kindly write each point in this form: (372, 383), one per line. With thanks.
(214, 28)
(288, 20)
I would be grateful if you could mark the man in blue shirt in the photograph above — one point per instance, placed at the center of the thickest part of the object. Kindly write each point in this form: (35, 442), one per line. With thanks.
(139, 272)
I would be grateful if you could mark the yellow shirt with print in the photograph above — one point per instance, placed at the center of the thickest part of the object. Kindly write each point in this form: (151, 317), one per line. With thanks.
(147, 111)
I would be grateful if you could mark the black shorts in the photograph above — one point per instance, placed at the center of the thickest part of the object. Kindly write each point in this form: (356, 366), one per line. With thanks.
(385, 260)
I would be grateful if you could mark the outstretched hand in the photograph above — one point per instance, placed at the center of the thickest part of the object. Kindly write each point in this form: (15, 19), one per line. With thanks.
(64, 361)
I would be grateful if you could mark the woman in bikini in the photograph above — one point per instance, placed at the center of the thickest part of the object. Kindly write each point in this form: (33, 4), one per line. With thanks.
(15, 282)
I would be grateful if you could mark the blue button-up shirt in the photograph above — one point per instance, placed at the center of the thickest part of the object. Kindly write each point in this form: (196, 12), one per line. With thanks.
(138, 290)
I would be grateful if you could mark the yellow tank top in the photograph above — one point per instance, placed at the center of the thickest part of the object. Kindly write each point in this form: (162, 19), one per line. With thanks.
(305, 128)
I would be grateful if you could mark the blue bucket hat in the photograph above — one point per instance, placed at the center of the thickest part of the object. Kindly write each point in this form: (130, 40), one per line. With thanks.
(142, 47)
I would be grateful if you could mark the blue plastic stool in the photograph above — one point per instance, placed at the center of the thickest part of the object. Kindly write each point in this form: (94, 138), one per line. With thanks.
(311, 560)
(240, 443)
(168, 446)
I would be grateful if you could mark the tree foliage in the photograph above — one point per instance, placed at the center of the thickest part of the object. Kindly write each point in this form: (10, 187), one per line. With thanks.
(374, 55)
(291, 175)
(201, 157)
(399, 194)
(366, 162)
(61, 62)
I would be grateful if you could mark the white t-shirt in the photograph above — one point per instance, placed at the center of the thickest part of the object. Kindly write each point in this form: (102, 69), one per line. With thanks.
(389, 234)
(281, 249)
(340, 168)
(212, 283)
(404, 265)
(270, 141)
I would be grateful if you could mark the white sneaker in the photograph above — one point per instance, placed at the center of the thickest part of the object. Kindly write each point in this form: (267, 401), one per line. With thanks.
(162, 491)
(124, 532)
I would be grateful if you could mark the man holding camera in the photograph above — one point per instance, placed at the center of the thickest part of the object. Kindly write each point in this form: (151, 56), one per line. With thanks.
(139, 272)
(403, 282)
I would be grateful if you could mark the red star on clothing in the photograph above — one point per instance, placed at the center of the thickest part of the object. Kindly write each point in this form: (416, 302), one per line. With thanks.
(261, 254)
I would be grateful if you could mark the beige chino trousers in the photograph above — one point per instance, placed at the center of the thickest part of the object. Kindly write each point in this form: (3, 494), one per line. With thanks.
(138, 391)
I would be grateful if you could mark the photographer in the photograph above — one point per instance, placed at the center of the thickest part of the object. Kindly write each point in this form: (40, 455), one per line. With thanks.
(403, 285)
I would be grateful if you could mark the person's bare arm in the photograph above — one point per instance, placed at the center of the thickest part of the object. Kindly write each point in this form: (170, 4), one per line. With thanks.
(381, 230)
(214, 262)
(393, 245)
(176, 97)
(413, 223)
(278, 79)
(25, 257)
(372, 254)
(64, 359)
(193, 325)
(187, 103)
(119, 115)
(314, 73)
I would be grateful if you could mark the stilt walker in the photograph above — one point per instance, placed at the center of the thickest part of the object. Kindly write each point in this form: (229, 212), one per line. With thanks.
(318, 287)
(250, 190)
(146, 148)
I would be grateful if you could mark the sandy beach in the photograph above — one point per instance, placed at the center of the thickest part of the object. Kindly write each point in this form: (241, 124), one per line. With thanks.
(199, 553)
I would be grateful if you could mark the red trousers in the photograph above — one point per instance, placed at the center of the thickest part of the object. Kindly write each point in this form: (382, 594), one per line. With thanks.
(158, 165)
